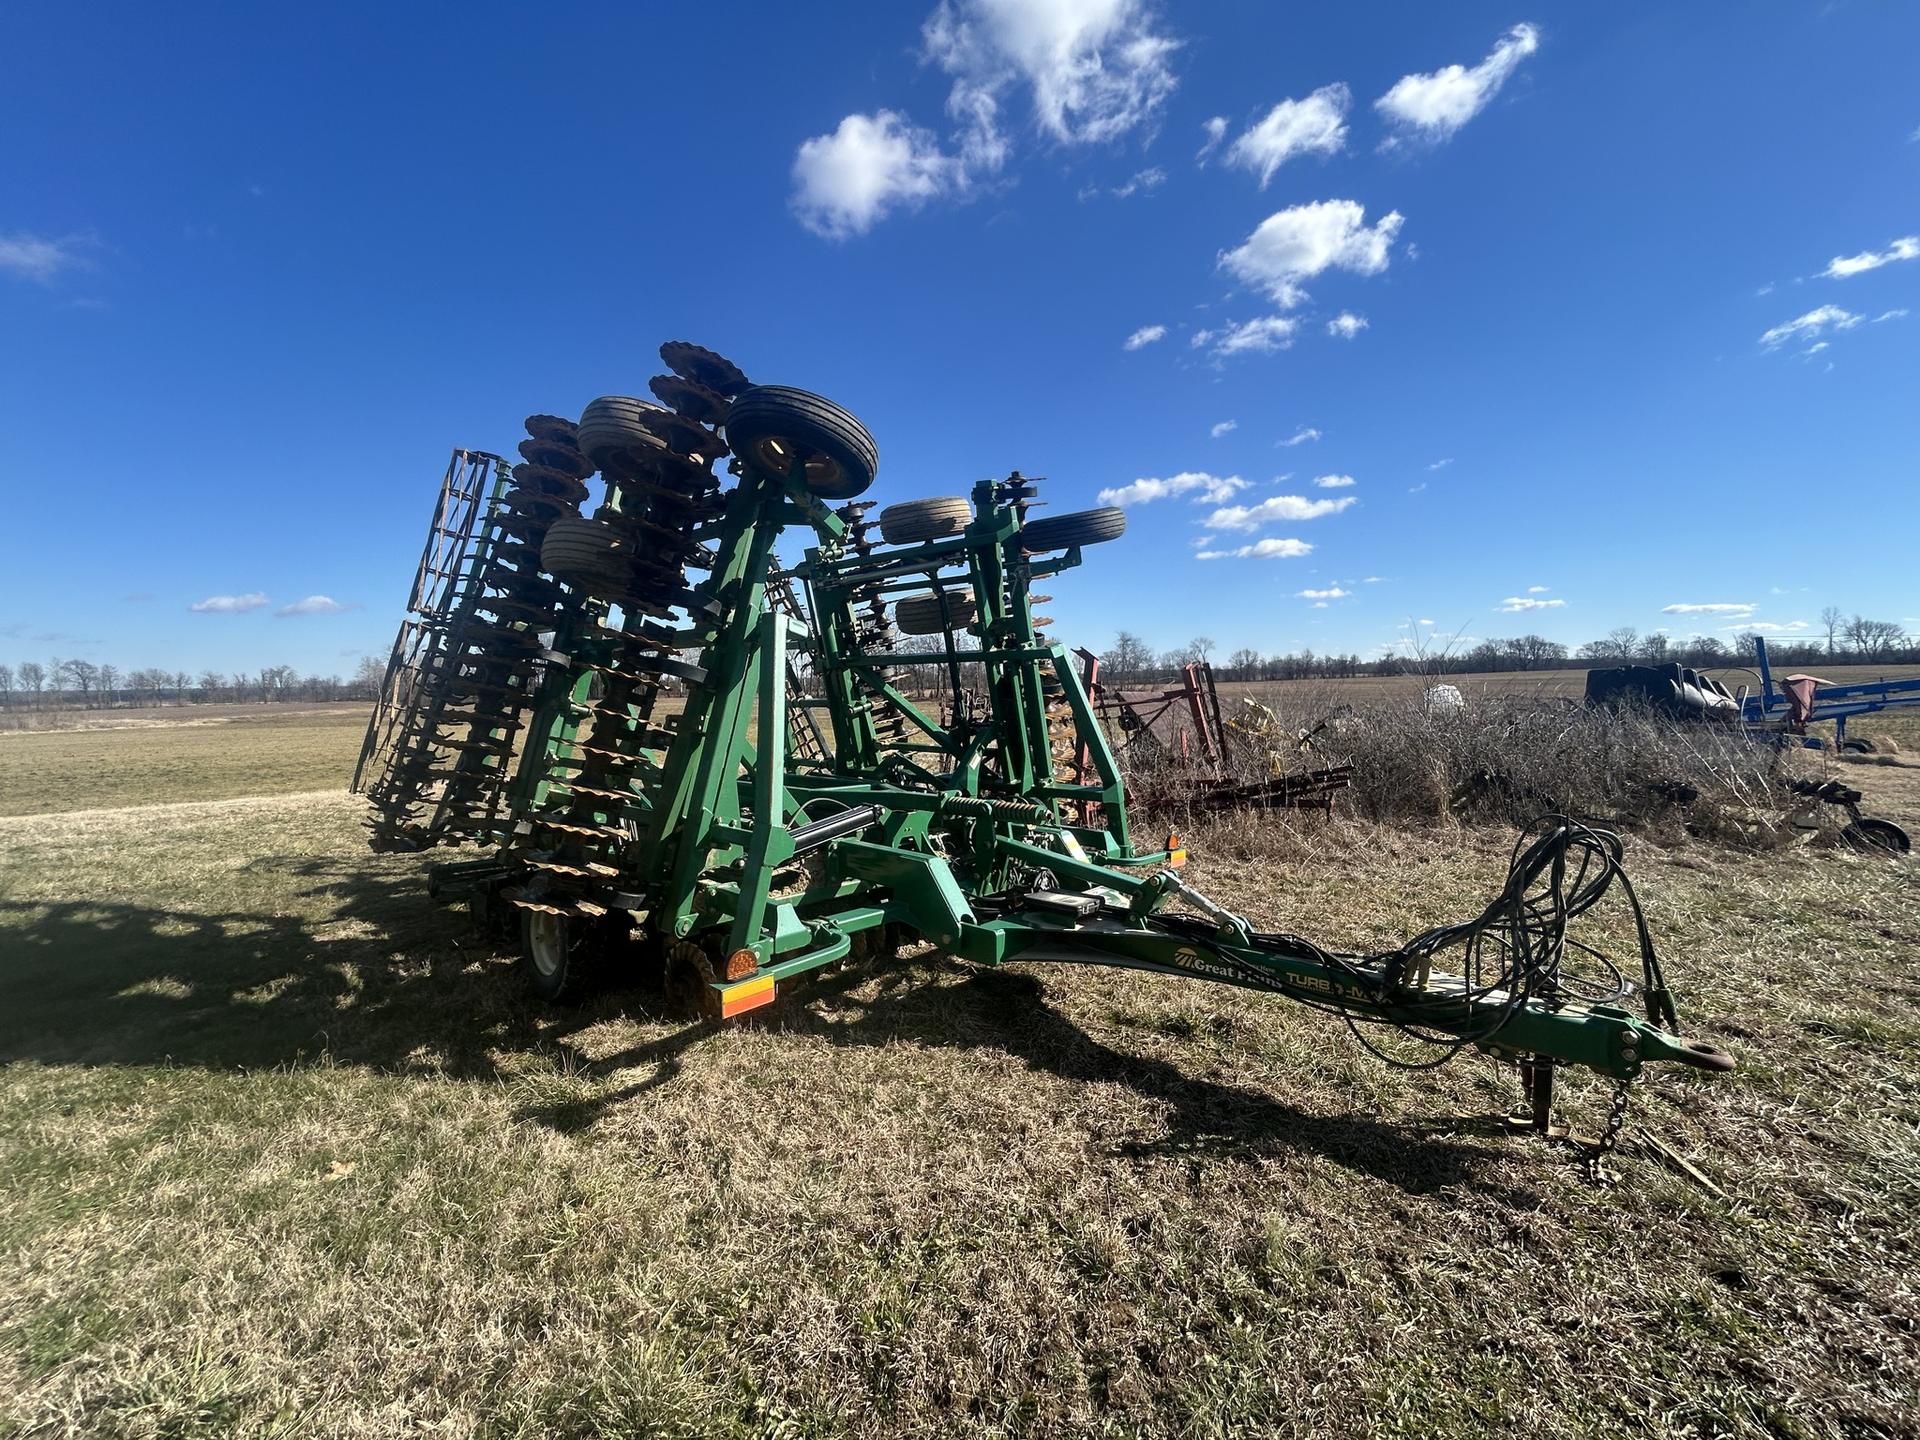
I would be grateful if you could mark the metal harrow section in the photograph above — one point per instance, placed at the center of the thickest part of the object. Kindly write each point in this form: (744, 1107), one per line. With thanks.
(632, 559)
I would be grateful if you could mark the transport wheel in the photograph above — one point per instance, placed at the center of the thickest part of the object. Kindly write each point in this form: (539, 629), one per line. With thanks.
(557, 955)
(1860, 746)
(912, 521)
(920, 614)
(1082, 527)
(1881, 835)
(771, 426)
(593, 558)
(610, 430)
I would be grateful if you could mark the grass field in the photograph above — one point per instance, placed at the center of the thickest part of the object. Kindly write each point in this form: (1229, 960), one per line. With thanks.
(284, 1151)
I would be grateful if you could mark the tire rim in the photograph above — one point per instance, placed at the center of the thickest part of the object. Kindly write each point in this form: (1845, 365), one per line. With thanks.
(547, 942)
(776, 456)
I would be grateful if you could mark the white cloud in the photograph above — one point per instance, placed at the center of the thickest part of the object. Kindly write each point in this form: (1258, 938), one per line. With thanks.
(1890, 315)
(1095, 69)
(1810, 326)
(1519, 604)
(1205, 489)
(1268, 549)
(1335, 482)
(847, 181)
(1538, 589)
(1300, 242)
(35, 258)
(1441, 464)
(229, 604)
(312, 605)
(1274, 507)
(1709, 609)
(1145, 335)
(1225, 427)
(1299, 437)
(1433, 107)
(1907, 247)
(1371, 580)
(1770, 627)
(1331, 593)
(1346, 325)
(1216, 129)
(1256, 337)
(1150, 179)
(1316, 125)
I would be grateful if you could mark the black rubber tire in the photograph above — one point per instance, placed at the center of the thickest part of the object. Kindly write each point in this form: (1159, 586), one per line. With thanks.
(1881, 835)
(1082, 527)
(1856, 746)
(771, 425)
(610, 429)
(593, 558)
(920, 614)
(912, 521)
(559, 957)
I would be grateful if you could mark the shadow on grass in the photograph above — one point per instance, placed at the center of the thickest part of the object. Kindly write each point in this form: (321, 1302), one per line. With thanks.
(1008, 1011)
(375, 974)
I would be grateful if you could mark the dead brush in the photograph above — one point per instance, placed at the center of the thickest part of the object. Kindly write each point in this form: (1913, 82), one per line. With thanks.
(1503, 760)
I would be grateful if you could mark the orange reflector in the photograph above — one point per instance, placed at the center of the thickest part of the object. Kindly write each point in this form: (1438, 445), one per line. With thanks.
(747, 995)
(1176, 852)
(742, 963)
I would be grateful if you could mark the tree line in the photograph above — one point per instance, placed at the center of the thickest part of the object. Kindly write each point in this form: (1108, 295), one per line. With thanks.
(82, 684)
(1841, 640)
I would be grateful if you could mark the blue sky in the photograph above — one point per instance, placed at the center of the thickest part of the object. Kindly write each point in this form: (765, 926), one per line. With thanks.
(1602, 310)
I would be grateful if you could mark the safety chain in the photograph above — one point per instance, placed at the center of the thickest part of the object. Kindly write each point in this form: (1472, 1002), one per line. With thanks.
(1597, 1153)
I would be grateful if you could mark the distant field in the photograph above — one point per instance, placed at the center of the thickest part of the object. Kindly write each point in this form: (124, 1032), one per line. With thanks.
(253, 750)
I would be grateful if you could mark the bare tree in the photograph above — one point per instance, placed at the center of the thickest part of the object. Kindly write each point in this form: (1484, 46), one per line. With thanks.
(1831, 620)
(6, 685)
(1128, 658)
(1243, 663)
(1873, 639)
(81, 677)
(33, 679)
(1201, 646)
(109, 681)
(212, 682)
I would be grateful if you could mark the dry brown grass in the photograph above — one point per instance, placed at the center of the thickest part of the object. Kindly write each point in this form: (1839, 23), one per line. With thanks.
(284, 1151)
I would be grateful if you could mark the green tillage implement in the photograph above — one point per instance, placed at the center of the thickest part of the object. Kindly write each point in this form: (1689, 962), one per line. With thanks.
(733, 865)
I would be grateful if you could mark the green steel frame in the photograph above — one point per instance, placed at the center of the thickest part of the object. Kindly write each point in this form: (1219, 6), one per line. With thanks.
(963, 834)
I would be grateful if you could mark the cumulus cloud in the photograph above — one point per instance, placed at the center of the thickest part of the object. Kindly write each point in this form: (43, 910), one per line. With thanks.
(1095, 69)
(1268, 549)
(1216, 130)
(313, 605)
(1520, 604)
(1145, 335)
(39, 259)
(1316, 125)
(1710, 609)
(845, 182)
(229, 604)
(1299, 437)
(1346, 325)
(1907, 247)
(1204, 488)
(1335, 482)
(1300, 242)
(1225, 427)
(1433, 107)
(1770, 627)
(1810, 326)
(1331, 593)
(1274, 507)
